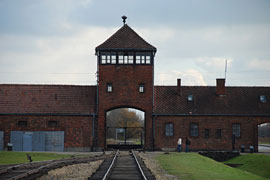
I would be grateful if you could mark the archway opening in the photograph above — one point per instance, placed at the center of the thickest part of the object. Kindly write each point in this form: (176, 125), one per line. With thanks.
(264, 137)
(125, 128)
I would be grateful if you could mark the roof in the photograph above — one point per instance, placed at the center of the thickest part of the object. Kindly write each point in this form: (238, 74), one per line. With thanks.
(125, 38)
(237, 101)
(55, 99)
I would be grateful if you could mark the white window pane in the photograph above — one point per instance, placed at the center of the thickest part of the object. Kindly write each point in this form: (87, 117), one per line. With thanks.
(103, 61)
(148, 61)
(113, 61)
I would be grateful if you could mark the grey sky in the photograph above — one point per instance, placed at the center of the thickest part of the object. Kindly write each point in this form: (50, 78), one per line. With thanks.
(52, 42)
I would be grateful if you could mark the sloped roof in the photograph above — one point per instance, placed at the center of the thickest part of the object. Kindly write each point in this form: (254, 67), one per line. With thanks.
(125, 38)
(238, 100)
(58, 99)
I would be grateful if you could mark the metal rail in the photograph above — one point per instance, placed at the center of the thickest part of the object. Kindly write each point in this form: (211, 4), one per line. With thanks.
(110, 167)
(139, 166)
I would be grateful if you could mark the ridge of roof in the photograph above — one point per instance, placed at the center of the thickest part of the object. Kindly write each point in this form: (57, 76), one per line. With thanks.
(125, 38)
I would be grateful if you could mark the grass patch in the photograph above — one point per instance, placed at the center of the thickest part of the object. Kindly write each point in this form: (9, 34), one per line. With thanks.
(20, 157)
(192, 166)
(255, 163)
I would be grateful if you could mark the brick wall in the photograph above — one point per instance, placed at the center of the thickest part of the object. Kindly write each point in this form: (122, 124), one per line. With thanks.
(78, 129)
(182, 129)
(125, 80)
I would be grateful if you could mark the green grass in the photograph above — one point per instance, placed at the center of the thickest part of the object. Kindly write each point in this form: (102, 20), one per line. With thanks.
(192, 166)
(20, 157)
(255, 163)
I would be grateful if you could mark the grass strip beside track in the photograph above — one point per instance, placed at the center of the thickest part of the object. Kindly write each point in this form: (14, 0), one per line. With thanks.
(255, 163)
(20, 157)
(192, 166)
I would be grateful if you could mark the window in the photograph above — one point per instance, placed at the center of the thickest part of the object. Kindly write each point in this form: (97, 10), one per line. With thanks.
(148, 58)
(22, 123)
(113, 58)
(143, 58)
(109, 87)
(190, 97)
(141, 88)
(103, 59)
(52, 123)
(219, 133)
(263, 98)
(169, 129)
(120, 58)
(236, 129)
(206, 133)
(194, 129)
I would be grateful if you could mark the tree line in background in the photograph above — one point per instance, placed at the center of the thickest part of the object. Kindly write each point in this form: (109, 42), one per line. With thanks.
(130, 122)
(264, 130)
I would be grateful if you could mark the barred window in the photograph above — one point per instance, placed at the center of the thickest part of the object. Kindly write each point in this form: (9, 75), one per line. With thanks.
(206, 133)
(194, 129)
(219, 133)
(236, 129)
(169, 129)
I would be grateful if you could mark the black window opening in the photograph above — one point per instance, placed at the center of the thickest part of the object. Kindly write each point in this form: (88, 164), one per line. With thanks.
(194, 129)
(236, 130)
(169, 129)
(22, 123)
(141, 88)
(206, 133)
(219, 133)
(109, 87)
(52, 123)
(125, 58)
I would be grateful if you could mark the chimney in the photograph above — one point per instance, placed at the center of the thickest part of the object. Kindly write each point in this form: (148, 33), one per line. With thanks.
(179, 86)
(220, 89)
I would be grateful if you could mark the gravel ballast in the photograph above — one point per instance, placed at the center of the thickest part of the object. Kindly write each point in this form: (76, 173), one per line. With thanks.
(73, 172)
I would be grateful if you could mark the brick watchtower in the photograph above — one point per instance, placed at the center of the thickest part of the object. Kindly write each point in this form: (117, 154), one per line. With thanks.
(125, 78)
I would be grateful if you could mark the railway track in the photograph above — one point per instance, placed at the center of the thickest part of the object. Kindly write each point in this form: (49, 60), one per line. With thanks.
(124, 165)
(34, 170)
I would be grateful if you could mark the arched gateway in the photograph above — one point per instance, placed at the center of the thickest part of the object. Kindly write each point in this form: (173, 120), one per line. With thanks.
(125, 78)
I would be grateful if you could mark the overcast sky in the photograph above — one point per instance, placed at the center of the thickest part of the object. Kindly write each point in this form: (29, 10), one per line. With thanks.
(53, 41)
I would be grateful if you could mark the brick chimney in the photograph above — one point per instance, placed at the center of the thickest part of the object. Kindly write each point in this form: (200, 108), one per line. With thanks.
(220, 88)
(179, 86)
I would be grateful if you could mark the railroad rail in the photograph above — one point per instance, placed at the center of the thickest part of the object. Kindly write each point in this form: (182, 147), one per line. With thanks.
(124, 165)
(34, 170)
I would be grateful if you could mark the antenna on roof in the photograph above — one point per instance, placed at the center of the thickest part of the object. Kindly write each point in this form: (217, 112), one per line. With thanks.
(124, 19)
(225, 69)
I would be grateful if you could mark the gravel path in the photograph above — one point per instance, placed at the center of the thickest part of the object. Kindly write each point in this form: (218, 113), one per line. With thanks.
(152, 164)
(73, 172)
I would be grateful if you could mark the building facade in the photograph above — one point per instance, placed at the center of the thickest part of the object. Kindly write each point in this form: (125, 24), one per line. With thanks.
(73, 118)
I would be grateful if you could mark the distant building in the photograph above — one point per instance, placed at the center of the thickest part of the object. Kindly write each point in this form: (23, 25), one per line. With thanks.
(73, 118)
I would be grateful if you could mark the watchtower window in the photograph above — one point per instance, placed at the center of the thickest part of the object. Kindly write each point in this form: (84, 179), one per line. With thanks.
(148, 58)
(120, 58)
(143, 58)
(103, 59)
(113, 58)
(109, 87)
(141, 88)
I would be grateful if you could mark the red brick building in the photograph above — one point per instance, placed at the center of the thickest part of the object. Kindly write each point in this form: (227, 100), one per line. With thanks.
(73, 118)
